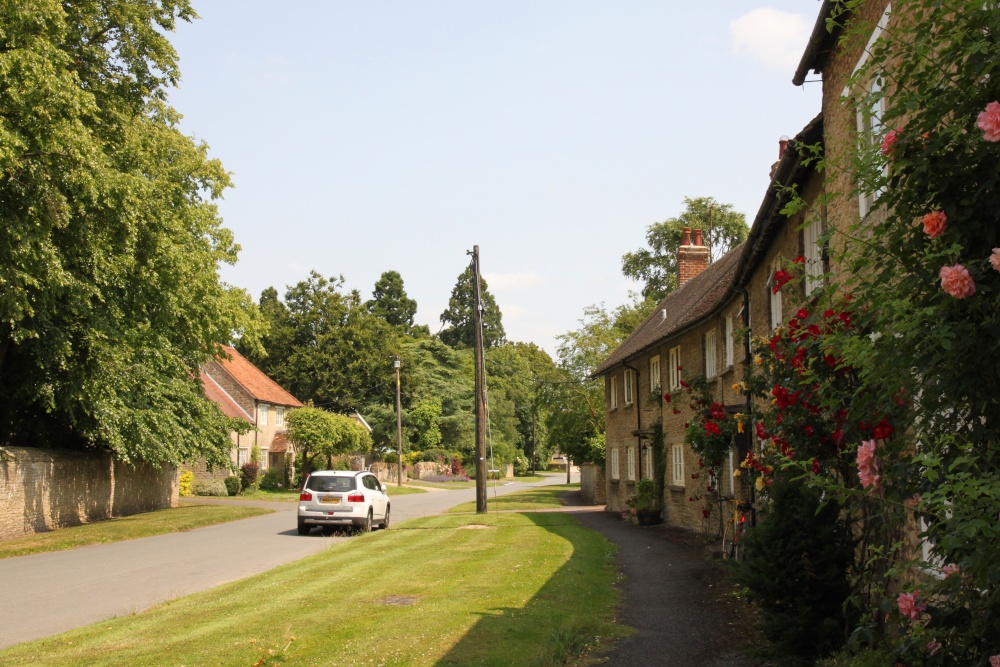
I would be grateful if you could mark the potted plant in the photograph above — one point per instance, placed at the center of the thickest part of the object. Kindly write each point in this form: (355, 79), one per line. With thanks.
(646, 503)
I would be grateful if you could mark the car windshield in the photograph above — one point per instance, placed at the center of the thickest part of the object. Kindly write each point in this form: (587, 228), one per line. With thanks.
(330, 483)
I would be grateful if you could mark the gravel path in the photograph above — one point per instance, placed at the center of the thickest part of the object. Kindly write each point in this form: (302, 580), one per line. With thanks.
(673, 595)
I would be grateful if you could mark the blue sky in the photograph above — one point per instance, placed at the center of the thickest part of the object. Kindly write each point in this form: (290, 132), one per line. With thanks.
(365, 137)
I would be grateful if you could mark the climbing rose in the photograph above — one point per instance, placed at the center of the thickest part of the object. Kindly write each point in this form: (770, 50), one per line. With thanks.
(989, 122)
(935, 223)
(933, 646)
(868, 471)
(995, 661)
(890, 139)
(908, 605)
(956, 281)
(950, 569)
(995, 259)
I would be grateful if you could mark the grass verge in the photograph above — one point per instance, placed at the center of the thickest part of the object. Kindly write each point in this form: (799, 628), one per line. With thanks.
(511, 590)
(472, 483)
(293, 495)
(542, 498)
(174, 520)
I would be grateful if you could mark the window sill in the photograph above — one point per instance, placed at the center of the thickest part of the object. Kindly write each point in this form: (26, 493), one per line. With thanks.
(677, 488)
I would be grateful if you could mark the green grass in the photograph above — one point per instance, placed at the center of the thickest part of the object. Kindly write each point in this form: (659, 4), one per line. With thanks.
(131, 527)
(472, 483)
(546, 497)
(293, 495)
(506, 590)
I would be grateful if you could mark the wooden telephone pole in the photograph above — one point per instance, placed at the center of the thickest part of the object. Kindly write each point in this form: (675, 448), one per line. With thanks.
(480, 390)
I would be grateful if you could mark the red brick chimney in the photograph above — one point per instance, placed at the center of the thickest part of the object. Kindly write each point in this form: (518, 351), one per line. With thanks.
(692, 256)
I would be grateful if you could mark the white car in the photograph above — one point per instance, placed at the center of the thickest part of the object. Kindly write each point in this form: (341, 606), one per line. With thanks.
(332, 498)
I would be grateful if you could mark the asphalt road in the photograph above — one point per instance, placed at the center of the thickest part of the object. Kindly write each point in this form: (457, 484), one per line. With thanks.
(53, 592)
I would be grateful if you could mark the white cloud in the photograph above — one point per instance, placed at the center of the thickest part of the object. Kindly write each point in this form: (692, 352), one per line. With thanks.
(512, 281)
(773, 37)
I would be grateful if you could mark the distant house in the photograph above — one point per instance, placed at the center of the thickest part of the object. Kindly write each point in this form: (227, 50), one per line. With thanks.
(243, 391)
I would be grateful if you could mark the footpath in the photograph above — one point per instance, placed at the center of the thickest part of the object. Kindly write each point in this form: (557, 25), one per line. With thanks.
(673, 595)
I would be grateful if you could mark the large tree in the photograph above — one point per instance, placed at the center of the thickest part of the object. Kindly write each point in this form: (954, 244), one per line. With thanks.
(109, 291)
(458, 322)
(390, 302)
(656, 265)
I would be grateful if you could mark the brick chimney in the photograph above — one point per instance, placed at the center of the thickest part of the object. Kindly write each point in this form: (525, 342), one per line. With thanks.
(692, 256)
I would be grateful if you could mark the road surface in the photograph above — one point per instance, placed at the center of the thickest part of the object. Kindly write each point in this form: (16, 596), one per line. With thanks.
(49, 593)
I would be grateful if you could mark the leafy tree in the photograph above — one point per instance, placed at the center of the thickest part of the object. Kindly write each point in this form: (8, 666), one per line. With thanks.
(458, 319)
(110, 298)
(423, 420)
(319, 433)
(656, 266)
(389, 301)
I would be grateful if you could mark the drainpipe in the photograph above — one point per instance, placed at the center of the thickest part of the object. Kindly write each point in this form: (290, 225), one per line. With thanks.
(638, 418)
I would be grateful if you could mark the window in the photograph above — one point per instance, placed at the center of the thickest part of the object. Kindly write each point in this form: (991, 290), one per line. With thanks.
(711, 352)
(870, 110)
(647, 462)
(264, 459)
(677, 469)
(614, 463)
(675, 368)
(262, 412)
(813, 253)
(631, 463)
(727, 331)
(654, 375)
(732, 476)
(774, 297)
(629, 382)
(279, 416)
(613, 400)
(241, 457)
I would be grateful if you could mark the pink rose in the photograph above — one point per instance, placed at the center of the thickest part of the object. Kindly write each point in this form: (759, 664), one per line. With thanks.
(913, 501)
(868, 469)
(935, 223)
(908, 605)
(950, 569)
(989, 122)
(995, 259)
(995, 661)
(933, 646)
(956, 281)
(889, 141)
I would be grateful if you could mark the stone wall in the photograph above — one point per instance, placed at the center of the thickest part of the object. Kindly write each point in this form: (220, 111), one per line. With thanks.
(46, 489)
(593, 487)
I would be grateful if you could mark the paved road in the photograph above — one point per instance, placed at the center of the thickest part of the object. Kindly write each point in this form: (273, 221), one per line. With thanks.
(53, 592)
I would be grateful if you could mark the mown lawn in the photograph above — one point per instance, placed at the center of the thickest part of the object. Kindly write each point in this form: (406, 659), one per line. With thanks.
(185, 517)
(545, 497)
(472, 483)
(293, 495)
(505, 590)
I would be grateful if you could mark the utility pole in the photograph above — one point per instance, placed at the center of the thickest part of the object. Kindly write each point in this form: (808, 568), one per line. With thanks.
(480, 390)
(399, 429)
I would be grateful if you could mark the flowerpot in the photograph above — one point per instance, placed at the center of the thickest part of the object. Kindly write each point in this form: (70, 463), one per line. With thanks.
(648, 517)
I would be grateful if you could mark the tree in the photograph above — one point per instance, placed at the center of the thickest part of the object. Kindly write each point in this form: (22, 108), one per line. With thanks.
(389, 301)
(317, 432)
(656, 266)
(458, 318)
(110, 298)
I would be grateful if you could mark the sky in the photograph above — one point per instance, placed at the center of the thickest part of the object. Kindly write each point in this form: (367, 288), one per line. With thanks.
(364, 137)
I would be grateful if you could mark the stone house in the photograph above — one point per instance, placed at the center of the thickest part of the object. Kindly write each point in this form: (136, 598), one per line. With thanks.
(243, 391)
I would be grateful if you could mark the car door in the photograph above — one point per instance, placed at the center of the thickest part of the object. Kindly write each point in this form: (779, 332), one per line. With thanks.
(378, 494)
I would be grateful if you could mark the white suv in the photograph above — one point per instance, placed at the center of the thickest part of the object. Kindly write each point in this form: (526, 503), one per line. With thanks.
(331, 498)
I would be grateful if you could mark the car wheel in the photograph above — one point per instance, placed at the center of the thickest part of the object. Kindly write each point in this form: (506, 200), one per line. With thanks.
(385, 519)
(366, 525)
(304, 527)
(328, 530)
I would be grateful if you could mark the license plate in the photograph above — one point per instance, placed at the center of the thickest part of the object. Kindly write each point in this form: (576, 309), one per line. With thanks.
(332, 501)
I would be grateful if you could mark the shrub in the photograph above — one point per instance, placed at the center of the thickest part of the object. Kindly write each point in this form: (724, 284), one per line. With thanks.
(211, 487)
(248, 476)
(185, 482)
(273, 480)
(521, 467)
(233, 485)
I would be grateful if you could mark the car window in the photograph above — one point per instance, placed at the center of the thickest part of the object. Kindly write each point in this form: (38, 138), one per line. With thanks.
(370, 482)
(334, 484)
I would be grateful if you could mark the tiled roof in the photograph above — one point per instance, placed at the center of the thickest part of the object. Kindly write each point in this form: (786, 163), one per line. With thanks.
(682, 308)
(280, 443)
(821, 41)
(260, 386)
(218, 395)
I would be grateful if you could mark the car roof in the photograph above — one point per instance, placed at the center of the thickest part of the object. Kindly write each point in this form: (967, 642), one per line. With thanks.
(337, 473)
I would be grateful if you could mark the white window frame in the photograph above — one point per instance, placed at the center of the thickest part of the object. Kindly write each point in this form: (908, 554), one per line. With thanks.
(732, 475)
(630, 465)
(648, 462)
(628, 379)
(264, 461)
(813, 253)
(279, 416)
(613, 390)
(654, 375)
(711, 355)
(677, 465)
(774, 297)
(675, 373)
(728, 333)
(614, 463)
(262, 414)
(242, 456)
